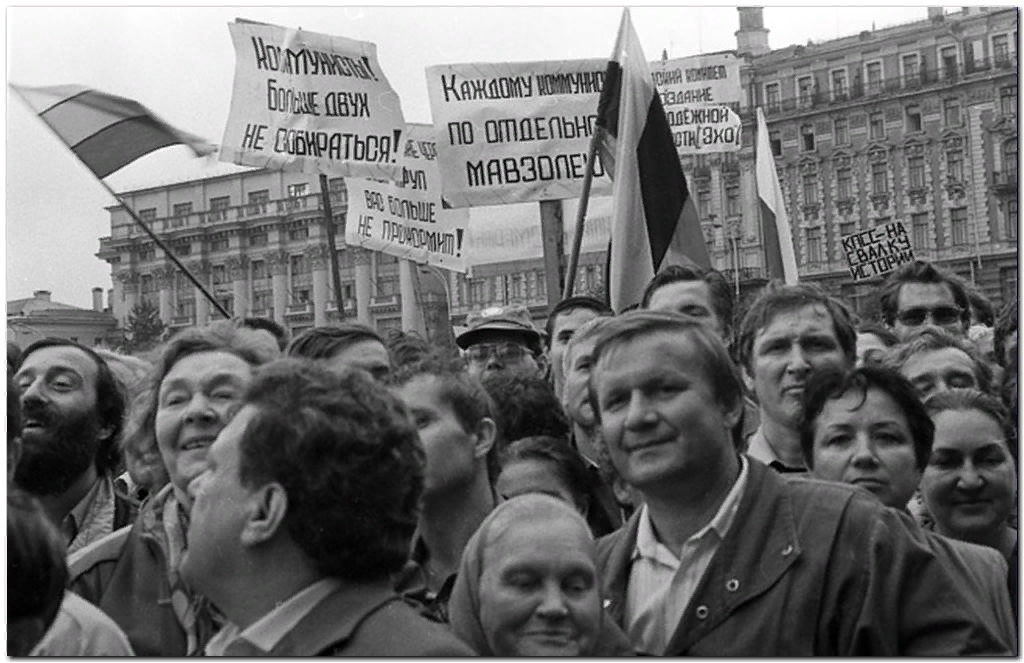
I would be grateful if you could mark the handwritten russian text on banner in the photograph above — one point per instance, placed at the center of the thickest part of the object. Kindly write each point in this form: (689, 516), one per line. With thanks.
(515, 132)
(310, 102)
(877, 251)
(408, 221)
(701, 96)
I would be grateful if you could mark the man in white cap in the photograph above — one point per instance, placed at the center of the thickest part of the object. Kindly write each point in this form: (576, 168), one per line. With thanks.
(502, 339)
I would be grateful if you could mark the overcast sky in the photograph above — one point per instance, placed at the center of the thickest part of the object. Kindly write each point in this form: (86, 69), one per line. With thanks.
(179, 62)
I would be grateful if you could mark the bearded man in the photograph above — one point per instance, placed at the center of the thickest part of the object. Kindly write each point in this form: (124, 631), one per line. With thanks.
(72, 414)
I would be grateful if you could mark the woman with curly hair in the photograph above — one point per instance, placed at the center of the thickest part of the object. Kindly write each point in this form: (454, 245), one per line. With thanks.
(194, 390)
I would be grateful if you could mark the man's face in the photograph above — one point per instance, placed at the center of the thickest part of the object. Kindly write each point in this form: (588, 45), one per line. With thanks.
(575, 394)
(61, 433)
(659, 417)
(690, 297)
(450, 449)
(864, 439)
(785, 352)
(927, 303)
(940, 370)
(869, 347)
(220, 508)
(501, 351)
(566, 324)
(369, 355)
(196, 400)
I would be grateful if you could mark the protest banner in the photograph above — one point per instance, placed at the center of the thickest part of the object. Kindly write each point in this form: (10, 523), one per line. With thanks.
(877, 251)
(701, 96)
(408, 220)
(515, 132)
(309, 102)
(513, 232)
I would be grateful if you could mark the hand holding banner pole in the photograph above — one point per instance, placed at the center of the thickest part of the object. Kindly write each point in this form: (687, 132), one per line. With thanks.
(581, 213)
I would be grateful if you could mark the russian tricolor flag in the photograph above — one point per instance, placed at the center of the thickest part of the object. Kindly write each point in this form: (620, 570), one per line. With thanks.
(654, 219)
(780, 259)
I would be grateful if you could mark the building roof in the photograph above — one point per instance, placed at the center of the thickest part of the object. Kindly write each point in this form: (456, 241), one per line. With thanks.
(33, 304)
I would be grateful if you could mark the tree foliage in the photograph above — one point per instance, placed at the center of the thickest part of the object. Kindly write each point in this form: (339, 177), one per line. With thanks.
(144, 327)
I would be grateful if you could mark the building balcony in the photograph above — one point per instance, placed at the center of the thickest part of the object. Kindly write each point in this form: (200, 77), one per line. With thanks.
(299, 308)
(182, 320)
(385, 302)
(349, 306)
(893, 85)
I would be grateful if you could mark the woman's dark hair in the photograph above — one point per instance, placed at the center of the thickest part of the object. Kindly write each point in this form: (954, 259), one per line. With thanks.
(831, 384)
(562, 457)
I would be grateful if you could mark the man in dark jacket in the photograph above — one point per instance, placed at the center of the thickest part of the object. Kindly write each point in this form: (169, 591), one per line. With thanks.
(305, 509)
(72, 410)
(727, 557)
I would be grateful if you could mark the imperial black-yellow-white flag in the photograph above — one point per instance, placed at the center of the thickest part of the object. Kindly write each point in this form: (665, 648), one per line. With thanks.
(654, 219)
(105, 131)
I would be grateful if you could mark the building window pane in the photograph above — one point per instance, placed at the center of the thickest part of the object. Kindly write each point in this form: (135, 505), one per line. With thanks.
(814, 244)
(947, 57)
(703, 203)
(951, 112)
(805, 90)
(877, 122)
(219, 203)
(1008, 100)
(807, 137)
(955, 165)
(844, 184)
(1011, 219)
(958, 225)
(921, 230)
(910, 73)
(874, 76)
(810, 189)
(732, 201)
(839, 84)
(879, 179)
(147, 214)
(1010, 160)
(296, 190)
(842, 131)
(261, 196)
(914, 118)
(775, 140)
(847, 228)
(771, 96)
(915, 170)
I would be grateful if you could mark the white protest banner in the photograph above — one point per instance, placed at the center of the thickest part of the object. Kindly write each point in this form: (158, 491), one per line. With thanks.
(304, 101)
(513, 232)
(877, 251)
(517, 131)
(701, 96)
(408, 220)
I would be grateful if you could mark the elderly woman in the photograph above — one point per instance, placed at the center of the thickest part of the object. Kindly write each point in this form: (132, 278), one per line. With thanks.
(970, 482)
(528, 585)
(193, 392)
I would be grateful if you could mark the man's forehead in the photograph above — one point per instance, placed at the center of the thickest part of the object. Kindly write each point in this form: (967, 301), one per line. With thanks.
(573, 317)
(916, 293)
(670, 342)
(935, 359)
(797, 320)
(60, 356)
(682, 291)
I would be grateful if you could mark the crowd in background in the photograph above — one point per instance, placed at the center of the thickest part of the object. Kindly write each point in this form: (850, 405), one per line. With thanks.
(680, 478)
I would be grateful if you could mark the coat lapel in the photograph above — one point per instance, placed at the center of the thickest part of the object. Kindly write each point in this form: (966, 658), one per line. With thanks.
(615, 557)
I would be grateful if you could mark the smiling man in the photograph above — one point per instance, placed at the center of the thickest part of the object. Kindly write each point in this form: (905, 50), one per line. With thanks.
(304, 510)
(726, 557)
(789, 332)
(72, 412)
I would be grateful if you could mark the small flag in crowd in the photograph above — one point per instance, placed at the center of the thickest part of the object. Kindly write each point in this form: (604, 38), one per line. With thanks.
(654, 218)
(778, 239)
(105, 131)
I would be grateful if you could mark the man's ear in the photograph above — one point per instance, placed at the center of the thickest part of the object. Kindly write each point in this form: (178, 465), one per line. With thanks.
(732, 413)
(486, 433)
(268, 506)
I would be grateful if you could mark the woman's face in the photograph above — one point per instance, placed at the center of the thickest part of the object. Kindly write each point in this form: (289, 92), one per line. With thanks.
(196, 400)
(970, 483)
(539, 593)
(530, 475)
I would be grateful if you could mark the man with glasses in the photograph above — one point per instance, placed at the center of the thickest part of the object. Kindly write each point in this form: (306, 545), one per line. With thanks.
(920, 293)
(502, 339)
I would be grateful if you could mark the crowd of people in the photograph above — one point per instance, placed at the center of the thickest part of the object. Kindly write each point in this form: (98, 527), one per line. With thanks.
(681, 478)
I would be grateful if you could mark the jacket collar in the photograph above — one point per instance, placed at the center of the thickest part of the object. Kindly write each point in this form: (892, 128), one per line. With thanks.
(334, 619)
(759, 547)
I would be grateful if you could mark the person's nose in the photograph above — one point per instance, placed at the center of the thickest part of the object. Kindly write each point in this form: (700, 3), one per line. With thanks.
(864, 456)
(199, 410)
(969, 479)
(553, 604)
(798, 362)
(640, 413)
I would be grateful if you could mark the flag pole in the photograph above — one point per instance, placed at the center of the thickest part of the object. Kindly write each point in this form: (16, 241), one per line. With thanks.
(325, 193)
(167, 251)
(581, 213)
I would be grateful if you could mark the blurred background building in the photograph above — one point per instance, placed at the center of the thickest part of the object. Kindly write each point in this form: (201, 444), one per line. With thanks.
(914, 122)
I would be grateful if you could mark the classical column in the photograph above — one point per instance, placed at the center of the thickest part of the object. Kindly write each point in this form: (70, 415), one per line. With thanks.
(238, 272)
(164, 278)
(278, 261)
(129, 281)
(200, 269)
(412, 314)
(117, 298)
(362, 263)
(318, 263)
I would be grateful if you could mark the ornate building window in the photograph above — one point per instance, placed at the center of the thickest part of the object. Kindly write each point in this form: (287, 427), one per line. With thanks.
(1010, 159)
(879, 179)
(876, 124)
(807, 137)
(844, 184)
(914, 118)
(813, 245)
(841, 131)
(915, 172)
(955, 165)
(1010, 230)
(297, 190)
(951, 112)
(772, 96)
(921, 230)
(775, 141)
(1008, 100)
(810, 189)
(732, 201)
(958, 225)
